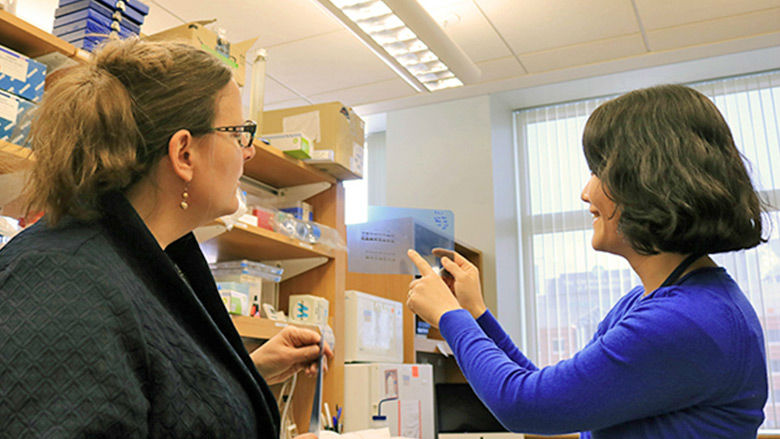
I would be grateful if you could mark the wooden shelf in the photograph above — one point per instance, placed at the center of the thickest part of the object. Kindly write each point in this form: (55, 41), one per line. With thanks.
(25, 38)
(262, 328)
(430, 345)
(14, 158)
(273, 167)
(255, 243)
(253, 327)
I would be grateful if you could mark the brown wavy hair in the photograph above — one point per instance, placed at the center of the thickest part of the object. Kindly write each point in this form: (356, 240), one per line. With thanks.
(103, 125)
(667, 158)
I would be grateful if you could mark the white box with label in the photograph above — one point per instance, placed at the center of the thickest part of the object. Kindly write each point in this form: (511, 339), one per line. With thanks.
(373, 328)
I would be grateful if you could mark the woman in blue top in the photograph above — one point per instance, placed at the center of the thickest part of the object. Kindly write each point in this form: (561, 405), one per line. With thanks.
(679, 356)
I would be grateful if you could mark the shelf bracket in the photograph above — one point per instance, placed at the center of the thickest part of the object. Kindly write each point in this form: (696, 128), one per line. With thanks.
(294, 267)
(292, 194)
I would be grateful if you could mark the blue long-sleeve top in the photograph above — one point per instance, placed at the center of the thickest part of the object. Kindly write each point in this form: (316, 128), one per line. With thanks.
(685, 361)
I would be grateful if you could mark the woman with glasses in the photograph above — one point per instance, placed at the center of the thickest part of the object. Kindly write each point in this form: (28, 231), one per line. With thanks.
(679, 356)
(110, 320)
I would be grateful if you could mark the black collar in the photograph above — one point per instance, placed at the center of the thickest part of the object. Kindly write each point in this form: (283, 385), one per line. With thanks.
(198, 303)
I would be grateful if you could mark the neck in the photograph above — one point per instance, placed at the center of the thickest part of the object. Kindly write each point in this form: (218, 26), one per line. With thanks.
(160, 212)
(654, 269)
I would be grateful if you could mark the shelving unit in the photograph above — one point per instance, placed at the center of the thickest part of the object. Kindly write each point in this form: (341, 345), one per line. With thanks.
(260, 329)
(25, 38)
(245, 241)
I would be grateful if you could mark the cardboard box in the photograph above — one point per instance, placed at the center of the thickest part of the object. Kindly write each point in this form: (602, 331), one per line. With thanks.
(331, 126)
(197, 35)
(20, 75)
(15, 118)
(293, 144)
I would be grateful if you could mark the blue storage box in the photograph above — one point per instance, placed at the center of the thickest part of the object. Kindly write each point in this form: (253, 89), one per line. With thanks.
(87, 43)
(91, 14)
(20, 75)
(92, 8)
(88, 26)
(15, 118)
(76, 31)
(84, 14)
(136, 5)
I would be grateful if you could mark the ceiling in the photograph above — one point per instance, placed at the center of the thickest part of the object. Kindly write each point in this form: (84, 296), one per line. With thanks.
(312, 58)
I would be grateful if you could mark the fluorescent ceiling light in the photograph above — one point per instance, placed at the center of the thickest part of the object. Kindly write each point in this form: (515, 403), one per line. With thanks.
(408, 40)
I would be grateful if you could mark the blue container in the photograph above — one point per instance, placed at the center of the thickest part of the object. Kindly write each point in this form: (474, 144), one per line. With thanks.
(88, 43)
(15, 118)
(134, 4)
(81, 16)
(20, 75)
(92, 14)
(104, 7)
(80, 29)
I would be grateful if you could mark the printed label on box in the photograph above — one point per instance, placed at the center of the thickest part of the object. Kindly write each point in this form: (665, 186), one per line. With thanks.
(13, 65)
(9, 108)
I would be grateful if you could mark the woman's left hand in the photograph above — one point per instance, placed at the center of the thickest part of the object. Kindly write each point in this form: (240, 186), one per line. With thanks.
(291, 350)
(429, 297)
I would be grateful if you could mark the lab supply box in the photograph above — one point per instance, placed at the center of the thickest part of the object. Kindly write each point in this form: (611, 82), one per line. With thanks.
(331, 127)
(373, 328)
(402, 394)
(307, 308)
(196, 34)
(15, 118)
(107, 8)
(93, 16)
(293, 144)
(21, 75)
(259, 280)
(235, 296)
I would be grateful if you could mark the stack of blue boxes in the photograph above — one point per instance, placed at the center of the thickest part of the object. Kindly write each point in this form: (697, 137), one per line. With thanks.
(21, 87)
(86, 23)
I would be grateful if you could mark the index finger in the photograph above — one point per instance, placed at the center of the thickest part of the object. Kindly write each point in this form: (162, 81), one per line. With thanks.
(422, 264)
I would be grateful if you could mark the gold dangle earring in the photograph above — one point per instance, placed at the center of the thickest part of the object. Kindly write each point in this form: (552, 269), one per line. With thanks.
(184, 196)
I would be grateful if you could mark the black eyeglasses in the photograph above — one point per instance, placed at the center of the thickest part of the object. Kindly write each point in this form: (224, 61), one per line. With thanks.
(246, 132)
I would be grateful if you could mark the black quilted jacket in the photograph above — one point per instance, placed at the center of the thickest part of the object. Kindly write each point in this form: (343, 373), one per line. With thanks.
(101, 337)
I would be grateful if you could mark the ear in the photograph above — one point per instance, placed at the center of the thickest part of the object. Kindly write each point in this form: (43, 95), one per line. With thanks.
(180, 149)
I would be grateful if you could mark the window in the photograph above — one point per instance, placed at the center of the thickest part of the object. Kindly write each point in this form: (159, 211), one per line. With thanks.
(573, 285)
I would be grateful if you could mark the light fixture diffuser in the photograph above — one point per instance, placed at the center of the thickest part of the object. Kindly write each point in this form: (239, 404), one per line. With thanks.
(408, 40)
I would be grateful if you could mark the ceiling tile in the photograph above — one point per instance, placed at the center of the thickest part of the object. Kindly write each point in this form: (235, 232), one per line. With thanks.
(501, 68)
(332, 61)
(273, 22)
(378, 91)
(738, 26)
(580, 54)
(533, 25)
(468, 28)
(656, 14)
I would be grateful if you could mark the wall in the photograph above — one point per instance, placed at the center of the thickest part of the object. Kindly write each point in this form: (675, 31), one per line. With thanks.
(439, 157)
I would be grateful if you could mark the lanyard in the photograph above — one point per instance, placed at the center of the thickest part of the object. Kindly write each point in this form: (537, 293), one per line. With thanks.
(672, 279)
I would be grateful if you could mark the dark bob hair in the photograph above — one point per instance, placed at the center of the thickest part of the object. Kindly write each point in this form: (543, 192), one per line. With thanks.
(666, 157)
